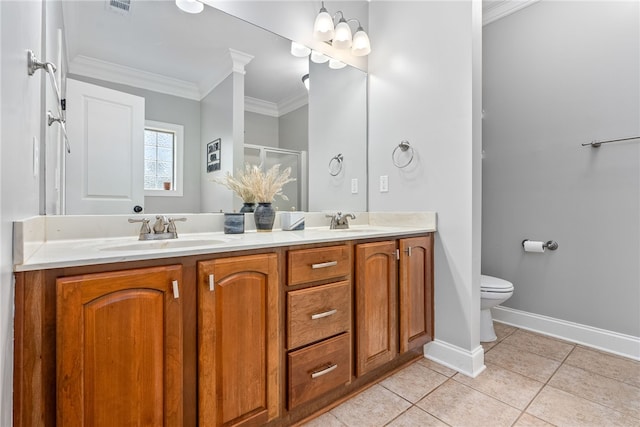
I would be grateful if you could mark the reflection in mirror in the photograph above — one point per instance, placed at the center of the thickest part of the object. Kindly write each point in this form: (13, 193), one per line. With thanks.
(218, 79)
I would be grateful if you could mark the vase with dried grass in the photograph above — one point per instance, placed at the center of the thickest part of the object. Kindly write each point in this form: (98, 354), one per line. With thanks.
(253, 184)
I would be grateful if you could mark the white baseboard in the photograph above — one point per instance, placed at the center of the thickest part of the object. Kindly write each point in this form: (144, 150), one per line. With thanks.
(601, 339)
(469, 363)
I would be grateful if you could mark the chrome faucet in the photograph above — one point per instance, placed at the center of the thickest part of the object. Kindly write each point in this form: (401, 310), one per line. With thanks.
(163, 228)
(340, 221)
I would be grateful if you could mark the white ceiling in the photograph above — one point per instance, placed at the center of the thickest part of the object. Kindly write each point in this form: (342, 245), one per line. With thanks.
(190, 51)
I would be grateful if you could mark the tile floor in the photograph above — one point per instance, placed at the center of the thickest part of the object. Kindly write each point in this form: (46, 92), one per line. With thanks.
(530, 380)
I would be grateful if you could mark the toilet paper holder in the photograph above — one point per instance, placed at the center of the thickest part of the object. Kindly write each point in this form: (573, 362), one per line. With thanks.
(550, 244)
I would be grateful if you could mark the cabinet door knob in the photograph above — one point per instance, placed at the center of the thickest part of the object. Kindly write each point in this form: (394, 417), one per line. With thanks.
(324, 314)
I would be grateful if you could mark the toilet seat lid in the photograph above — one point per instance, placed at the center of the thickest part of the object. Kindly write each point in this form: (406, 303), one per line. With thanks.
(494, 284)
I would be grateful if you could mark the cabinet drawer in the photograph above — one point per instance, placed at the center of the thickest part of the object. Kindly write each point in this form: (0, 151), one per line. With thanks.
(317, 313)
(316, 369)
(309, 265)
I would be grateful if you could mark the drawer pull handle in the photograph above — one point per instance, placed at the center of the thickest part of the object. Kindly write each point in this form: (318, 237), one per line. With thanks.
(325, 314)
(323, 372)
(324, 264)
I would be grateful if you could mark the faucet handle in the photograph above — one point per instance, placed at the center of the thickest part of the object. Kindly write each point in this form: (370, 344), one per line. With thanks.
(171, 228)
(144, 229)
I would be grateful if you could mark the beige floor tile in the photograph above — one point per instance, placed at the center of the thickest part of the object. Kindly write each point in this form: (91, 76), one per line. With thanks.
(415, 417)
(609, 365)
(505, 385)
(486, 346)
(539, 344)
(564, 409)
(596, 388)
(503, 330)
(528, 420)
(528, 364)
(459, 405)
(325, 420)
(375, 406)
(413, 382)
(448, 372)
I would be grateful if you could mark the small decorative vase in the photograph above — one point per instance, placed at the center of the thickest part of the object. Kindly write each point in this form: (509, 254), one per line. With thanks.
(264, 216)
(233, 223)
(247, 207)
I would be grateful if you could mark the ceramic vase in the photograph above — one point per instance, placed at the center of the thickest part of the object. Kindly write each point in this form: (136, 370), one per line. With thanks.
(264, 216)
(247, 207)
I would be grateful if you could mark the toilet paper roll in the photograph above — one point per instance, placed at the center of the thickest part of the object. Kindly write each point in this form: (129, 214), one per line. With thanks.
(533, 246)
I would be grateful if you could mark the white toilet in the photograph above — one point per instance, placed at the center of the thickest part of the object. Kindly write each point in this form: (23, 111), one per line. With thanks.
(493, 291)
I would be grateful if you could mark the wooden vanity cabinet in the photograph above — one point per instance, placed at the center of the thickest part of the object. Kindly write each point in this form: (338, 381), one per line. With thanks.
(319, 318)
(119, 348)
(416, 292)
(394, 306)
(376, 305)
(238, 340)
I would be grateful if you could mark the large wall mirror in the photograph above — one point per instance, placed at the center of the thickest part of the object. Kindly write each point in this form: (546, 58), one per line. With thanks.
(181, 67)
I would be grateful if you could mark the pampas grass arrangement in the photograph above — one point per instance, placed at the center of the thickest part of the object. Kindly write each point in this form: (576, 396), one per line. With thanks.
(254, 185)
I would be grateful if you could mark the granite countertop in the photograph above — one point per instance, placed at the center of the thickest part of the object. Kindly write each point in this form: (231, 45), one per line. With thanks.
(54, 242)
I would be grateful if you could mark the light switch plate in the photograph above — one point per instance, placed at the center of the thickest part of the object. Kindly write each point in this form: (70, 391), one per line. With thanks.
(384, 183)
(354, 186)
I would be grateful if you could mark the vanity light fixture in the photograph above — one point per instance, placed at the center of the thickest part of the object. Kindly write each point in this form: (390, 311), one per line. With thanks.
(299, 50)
(339, 35)
(305, 81)
(190, 6)
(334, 64)
(318, 58)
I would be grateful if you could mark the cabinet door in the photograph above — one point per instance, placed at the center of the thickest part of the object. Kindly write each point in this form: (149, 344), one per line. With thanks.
(119, 348)
(238, 340)
(416, 292)
(376, 305)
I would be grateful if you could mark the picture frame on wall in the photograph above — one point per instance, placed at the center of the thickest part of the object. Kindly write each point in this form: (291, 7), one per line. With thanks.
(213, 155)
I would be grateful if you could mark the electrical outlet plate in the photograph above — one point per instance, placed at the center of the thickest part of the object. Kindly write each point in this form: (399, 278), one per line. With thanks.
(354, 186)
(384, 183)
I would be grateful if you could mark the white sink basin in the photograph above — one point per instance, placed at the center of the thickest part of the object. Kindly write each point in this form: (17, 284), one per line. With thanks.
(149, 245)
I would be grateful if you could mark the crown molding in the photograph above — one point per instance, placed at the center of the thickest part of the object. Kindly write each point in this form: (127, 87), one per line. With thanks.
(108, 71)
(259, 106)
(288, 105)
(496, 9)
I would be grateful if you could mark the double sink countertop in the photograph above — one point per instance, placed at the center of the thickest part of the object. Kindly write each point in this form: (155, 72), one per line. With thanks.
(45, 242)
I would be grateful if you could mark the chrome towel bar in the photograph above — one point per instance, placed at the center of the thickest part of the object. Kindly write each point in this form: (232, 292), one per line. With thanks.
(596, 144)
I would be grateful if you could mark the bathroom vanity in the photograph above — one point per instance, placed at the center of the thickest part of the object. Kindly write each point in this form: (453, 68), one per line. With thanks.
(251, 329)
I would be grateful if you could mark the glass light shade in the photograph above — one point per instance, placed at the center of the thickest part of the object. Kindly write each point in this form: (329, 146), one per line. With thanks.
(190, 6)
(342, 38)
(335, 64)
(318, 57)
(299, 50)
(323, 26)
(361, 45)
(305, 80)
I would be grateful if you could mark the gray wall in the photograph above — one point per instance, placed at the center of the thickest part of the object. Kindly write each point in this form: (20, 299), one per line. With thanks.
(422, 90)
(21, 119)
(294, 129)
(217, 122)
(335, 131)
(558, 74)
(181, 111)
(260, 129)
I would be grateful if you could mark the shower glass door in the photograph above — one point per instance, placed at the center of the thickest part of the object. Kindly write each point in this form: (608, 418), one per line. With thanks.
(296, 191)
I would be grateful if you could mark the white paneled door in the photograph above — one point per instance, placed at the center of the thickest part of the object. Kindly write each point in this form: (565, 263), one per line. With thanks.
(104, 171)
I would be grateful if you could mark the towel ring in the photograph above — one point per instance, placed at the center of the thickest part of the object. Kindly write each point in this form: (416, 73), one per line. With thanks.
(335, 165)
(403, 147)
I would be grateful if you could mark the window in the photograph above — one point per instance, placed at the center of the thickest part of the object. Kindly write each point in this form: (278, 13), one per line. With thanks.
(163, 148)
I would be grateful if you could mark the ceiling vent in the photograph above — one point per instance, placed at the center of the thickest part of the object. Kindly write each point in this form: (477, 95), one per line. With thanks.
(119, 6)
